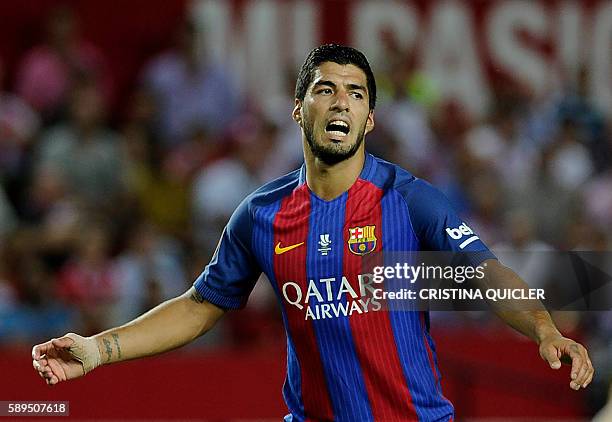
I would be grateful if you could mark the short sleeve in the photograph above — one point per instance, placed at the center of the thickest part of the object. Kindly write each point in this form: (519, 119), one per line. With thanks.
(437, 225)
(229, 278)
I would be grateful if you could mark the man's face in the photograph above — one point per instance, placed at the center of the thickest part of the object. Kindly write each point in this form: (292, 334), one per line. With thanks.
(335, 114)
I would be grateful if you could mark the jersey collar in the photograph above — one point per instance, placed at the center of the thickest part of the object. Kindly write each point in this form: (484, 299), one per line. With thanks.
(367, 173)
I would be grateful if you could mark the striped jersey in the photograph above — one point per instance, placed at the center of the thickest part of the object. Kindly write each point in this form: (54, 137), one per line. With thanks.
(348, 357)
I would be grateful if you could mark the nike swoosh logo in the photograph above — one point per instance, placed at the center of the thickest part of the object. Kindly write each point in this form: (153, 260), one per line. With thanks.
(278, 249)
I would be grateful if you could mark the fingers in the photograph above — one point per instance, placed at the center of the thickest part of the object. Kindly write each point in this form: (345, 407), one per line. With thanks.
(56, 361)
(51, 345)
(44, 371)
(36, 352)
(44, 362)
(590, 373)
(40, 361)
(49, 369)
(567, 350)
(549, 354)
(582, 372)
(63, 342)
(586, 371)
(57, 372)
(40, 367)
(582, 367)
(41, 349)
(577, 367)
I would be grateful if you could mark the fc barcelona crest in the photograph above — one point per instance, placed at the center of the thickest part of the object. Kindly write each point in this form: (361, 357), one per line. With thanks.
(362, 240)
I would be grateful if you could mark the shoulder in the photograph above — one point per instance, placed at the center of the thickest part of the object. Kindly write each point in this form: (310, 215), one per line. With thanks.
(424, 201)
(383, 174)
(390, 176)
(421, 190)
(271, 192)
(242, 220)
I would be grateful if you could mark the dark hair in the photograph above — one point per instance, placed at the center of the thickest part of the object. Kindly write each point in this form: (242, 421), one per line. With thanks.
(335, 53)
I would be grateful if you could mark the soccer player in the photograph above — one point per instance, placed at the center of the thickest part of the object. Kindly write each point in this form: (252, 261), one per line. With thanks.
(347, 358)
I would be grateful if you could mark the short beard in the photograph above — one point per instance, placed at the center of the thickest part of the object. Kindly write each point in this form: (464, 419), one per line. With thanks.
(332, 154)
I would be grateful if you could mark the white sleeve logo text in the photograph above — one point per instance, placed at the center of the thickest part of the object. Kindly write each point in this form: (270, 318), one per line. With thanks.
(460, 232)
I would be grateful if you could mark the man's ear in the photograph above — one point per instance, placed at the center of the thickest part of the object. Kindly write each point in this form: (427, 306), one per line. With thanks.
(297, 112)
(369, 122)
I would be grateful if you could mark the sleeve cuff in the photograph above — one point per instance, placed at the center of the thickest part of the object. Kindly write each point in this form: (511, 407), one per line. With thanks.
(217, 299)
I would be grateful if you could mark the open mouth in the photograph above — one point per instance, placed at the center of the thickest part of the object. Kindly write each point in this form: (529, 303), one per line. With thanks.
(337, 128)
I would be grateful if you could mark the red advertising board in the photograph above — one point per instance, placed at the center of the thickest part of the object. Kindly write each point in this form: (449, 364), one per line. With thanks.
(465, 47)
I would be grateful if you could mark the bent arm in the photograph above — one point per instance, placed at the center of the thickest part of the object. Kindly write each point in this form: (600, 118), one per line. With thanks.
(168, 326)
(534, 321)
(527, 317)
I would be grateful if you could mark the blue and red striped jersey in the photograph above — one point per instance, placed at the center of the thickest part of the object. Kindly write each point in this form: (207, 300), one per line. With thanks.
(348, 359)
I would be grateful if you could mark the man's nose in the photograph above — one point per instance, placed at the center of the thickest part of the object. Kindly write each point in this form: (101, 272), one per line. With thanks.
(341, 101)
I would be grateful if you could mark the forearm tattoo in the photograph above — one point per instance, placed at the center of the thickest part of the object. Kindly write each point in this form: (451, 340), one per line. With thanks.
(196, 297)
(116, 339)
(108, 347)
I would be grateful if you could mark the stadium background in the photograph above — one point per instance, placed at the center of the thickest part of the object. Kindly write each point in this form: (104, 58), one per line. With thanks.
(129, 132)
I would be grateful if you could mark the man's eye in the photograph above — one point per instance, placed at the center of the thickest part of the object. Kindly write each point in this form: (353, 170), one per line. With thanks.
(357, 95)
(326, 91)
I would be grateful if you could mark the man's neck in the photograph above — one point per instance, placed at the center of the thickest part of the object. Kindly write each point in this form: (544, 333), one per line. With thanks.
(329, 182)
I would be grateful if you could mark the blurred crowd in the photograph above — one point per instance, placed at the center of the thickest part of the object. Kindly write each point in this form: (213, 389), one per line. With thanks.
(106, 212)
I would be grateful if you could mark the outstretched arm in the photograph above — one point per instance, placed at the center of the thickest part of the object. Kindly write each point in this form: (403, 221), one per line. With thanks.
(535, 322)
(171, 324)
